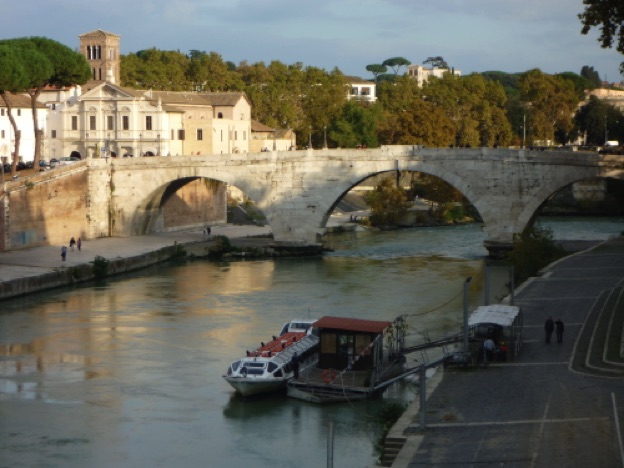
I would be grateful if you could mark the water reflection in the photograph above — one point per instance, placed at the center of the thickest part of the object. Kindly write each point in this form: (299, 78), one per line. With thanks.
(133, 367)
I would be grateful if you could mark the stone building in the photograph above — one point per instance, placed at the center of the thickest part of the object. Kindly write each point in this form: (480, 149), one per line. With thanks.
(422, 74)
(102, 118)
(102, 52)
(22, 113)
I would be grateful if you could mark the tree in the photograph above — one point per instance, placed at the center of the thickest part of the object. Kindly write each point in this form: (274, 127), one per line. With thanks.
(437, 62)
(356, 126)
(599, 122)
(323, 95)
(396, 63)
(592, 76)
(387, 202)
(551, 102)
(54, 65)
(13, 79)
(376, 70)
(608, 15)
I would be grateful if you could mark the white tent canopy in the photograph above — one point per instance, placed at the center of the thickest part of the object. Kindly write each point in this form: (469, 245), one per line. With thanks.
(498, 314)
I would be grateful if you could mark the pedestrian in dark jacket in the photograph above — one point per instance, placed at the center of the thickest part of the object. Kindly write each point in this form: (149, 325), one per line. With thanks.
(559, 326)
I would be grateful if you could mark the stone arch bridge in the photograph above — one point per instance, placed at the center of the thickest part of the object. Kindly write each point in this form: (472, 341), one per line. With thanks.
(296, 190)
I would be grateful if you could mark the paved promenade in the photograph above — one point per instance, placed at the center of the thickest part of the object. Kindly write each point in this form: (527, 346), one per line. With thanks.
(39, 260)
(557, 404)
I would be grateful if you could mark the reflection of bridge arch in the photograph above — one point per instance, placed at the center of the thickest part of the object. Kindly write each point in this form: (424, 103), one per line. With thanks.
(297, 190)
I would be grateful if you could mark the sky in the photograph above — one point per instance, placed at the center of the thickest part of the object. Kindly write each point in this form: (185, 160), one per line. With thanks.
(471, 35)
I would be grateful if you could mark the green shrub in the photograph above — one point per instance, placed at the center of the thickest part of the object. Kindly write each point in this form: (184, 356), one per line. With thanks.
(532, 251)
(100, 267)
(385, 419)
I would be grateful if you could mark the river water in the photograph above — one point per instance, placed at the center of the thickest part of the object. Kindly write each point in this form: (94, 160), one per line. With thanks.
(127, 373)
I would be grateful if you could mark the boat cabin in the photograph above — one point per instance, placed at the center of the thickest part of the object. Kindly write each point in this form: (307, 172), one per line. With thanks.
(350, 342)
(502, 323)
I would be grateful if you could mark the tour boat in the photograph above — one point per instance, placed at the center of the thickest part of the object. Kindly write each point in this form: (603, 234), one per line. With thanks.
(269, 367)
(353, 362)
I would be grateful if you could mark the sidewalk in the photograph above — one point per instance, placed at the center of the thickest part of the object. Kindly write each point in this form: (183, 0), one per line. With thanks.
(554, 405)
(37, 261)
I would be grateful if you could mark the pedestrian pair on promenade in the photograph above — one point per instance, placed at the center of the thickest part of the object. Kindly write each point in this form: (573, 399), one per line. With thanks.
(551, 326)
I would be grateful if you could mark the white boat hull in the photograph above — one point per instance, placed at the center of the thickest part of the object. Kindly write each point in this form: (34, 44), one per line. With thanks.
(250, 386)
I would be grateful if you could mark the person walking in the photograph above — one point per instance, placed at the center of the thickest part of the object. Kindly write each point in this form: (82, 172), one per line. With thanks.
(72, 243)
(559, 327)
(488, 350)
(63, 252)
(79, 244)
(549, 327)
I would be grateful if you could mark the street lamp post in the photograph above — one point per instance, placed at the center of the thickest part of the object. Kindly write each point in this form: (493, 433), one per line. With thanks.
(466, 284)
(141, 144)
(310, 138)
(325, 137)
(523, 130)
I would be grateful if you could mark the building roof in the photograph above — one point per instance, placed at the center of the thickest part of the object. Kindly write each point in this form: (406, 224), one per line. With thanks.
(358, 80)
(99, 31)
(19, 100)
(260, 127)
(351, 324)
(498, 314)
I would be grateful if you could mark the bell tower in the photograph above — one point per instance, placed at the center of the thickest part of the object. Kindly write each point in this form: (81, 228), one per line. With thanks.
(101, 49)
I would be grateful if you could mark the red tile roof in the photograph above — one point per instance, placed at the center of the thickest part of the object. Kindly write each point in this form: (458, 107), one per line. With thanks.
(352, 324)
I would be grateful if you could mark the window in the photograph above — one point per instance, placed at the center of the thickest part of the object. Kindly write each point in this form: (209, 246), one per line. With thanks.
(148, 122)
(200, 134)
(2, 112)
(53, 134)
(19, 112)
(220, 115)
(181, 134)
(92, 122)
(2, 135)
(109, 122)
(74, 122)
(125, 122)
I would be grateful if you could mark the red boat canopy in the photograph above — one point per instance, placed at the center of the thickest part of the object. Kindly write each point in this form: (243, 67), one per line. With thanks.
(351, 324)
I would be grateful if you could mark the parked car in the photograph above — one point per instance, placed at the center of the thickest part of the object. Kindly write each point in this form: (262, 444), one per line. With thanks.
(54, 163)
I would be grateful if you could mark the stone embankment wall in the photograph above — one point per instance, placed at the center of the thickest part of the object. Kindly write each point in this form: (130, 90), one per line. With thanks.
(51, 207)
(84, 272)
(48, 212)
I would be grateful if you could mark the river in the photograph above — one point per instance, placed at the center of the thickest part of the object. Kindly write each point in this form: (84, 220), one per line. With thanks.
(127, 372)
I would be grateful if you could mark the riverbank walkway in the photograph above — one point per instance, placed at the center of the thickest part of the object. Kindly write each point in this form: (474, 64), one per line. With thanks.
(37, 261)
(558, 404)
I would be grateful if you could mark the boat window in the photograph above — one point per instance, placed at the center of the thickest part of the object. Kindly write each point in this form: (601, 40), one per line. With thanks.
(255, 371)
(272, 366)
(345, 345)
(361, 342)
(328, 343)
(257, 365)
(278, 373)
(235, 366)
